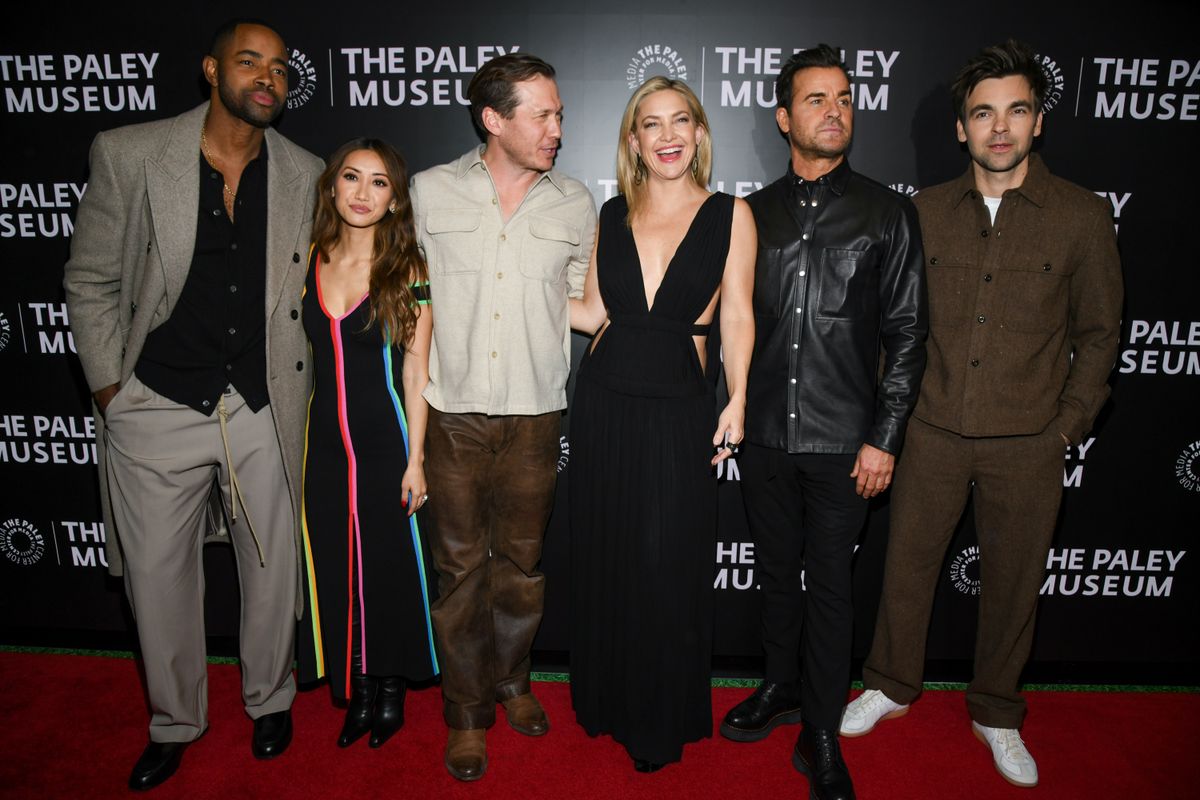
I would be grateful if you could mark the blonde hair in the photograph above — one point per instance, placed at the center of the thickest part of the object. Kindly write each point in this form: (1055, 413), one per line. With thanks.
(630, 173)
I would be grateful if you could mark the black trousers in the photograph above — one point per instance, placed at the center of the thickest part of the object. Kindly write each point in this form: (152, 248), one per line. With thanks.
(805, 518)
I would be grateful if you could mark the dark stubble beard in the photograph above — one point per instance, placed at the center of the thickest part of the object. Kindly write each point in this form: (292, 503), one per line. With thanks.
(245, 109)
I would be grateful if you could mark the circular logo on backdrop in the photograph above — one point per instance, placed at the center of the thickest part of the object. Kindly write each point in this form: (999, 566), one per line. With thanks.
(21, 543)
(964, 571)
(654, 59)
(302, 79)
(564, 453)
(5, 331)
(1187, 467)
(1055, 81)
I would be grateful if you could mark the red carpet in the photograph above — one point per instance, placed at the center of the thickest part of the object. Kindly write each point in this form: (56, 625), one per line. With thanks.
(72, 726)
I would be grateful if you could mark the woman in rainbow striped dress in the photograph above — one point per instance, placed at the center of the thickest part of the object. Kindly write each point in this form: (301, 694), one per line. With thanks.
(367, 315)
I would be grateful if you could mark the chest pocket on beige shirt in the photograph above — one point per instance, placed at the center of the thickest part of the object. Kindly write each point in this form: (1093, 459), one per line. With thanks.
(548, 248)
(454, 234)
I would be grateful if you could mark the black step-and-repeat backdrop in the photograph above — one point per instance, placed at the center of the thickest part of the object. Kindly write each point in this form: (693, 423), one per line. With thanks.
(1121, 582)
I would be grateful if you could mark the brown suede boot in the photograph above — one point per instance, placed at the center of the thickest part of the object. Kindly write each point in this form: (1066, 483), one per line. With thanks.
(525, 715)
(466, 753)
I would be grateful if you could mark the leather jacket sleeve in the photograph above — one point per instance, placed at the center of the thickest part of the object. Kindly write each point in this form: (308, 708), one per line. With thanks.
(904, 323)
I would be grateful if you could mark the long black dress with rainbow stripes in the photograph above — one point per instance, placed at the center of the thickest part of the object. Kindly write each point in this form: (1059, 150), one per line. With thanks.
(364, 558)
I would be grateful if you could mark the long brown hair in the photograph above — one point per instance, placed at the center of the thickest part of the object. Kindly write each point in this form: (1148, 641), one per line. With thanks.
(396, 262)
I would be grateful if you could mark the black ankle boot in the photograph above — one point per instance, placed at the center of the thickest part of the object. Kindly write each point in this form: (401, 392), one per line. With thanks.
(818, 756)
(361, 711)
(389, 710)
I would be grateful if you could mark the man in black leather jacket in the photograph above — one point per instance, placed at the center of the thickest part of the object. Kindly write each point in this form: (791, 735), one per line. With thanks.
(839, 273)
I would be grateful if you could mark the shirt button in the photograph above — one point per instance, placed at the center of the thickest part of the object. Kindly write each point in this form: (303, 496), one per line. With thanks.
(499, 275)
(933, 261)
(232, 331)
(299, 366)
(792, 415)
(793, 380)
(797, 311)
(495, 201)
(496, 315)
(1045, 267)
(805, 236)
(233, 287)
(228, 367)
(814, 203)
(204, 403)
(494, 355)
(216, 212)
(233, 246)
(801, 273)
(981, 318)
(503, 237)
(803, 202)
(212, 175)
(795, 346)
(983, 234)
(987, 278)
(974, 362)
(295, 314)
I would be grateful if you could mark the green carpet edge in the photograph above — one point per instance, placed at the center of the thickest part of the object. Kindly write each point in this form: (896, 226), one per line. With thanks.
(717, 683)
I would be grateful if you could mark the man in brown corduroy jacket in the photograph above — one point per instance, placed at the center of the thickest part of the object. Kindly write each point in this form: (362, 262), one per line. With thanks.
(1025, 295)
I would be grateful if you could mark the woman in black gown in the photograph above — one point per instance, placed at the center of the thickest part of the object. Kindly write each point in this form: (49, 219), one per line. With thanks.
(367, 315)
(643, 491)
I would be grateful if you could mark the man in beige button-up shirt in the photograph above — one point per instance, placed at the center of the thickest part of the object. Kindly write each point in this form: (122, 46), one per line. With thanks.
(507, 239)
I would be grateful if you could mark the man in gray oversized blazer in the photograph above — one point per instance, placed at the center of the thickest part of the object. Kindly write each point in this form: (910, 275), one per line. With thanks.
(183, 289)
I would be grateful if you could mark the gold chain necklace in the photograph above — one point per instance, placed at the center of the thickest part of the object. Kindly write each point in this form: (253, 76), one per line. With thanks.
(230, 193)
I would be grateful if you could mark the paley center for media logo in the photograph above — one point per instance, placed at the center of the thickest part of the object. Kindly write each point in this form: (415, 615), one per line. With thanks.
(302, 79)
(655, 59)
(1055, 82)
(1187, 467)
(21, 542)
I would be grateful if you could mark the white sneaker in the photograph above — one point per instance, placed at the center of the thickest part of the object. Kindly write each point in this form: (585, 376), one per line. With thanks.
(866, 710)
(1012, 760)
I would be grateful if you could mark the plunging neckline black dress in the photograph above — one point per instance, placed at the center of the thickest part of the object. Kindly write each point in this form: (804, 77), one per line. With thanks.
(643, 496)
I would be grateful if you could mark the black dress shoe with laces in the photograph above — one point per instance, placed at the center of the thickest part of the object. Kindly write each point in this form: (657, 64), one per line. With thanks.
(819, 757)
(754, 718)
(272, 734)
(157, 763)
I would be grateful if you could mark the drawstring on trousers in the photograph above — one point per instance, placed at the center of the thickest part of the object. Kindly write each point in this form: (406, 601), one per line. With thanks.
(235, 487)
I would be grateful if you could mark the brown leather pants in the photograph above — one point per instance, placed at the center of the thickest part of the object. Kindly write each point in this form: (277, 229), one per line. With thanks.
(491, 489)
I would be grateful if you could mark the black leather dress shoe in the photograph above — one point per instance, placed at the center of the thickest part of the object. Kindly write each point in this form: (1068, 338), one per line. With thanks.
(157, 763)
(754, 718)
(819, 757)
(272, 734)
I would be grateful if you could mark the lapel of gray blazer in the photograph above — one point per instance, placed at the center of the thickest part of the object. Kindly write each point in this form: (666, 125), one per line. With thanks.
(288, 196)
(173, 190)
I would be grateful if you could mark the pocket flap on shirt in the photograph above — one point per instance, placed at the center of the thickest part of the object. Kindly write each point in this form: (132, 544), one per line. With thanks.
(453, 220)
(554, 229)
